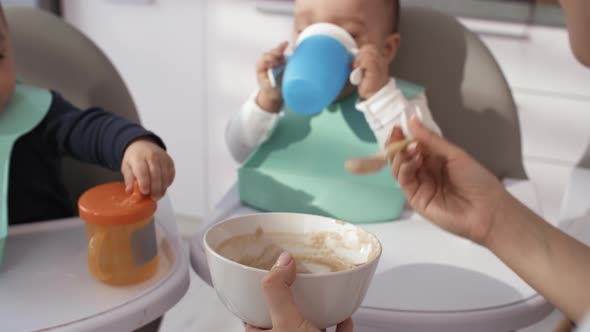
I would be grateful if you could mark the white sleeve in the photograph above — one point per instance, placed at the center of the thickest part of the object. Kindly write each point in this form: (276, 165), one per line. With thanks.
(389, 108)
(248, 128)
(584, 325)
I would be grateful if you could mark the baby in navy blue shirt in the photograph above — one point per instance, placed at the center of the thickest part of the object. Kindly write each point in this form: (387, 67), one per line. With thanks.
(36, 191)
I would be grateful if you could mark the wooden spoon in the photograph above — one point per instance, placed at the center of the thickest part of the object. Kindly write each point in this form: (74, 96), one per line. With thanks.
(377, 161)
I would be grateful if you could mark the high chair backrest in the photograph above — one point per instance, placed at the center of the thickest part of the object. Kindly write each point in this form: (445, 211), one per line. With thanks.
(51, 53)
(467, 91)
(585, 161)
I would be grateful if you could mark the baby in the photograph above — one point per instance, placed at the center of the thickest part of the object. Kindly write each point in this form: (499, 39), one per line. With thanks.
(35, 190)
(374, 26)
(296, 162)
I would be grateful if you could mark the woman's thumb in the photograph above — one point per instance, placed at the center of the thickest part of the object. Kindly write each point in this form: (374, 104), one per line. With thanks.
(277, 291)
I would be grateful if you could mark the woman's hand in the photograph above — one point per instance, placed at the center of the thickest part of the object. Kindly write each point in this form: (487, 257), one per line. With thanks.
(284, 313)
(446, 185)
(455, 192)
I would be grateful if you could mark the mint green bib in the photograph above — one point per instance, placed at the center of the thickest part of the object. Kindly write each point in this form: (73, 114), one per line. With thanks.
(24, 111)
(300, 168)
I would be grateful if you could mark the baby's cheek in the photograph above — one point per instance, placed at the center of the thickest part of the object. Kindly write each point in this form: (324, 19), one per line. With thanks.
(5, 95)
(7, 84)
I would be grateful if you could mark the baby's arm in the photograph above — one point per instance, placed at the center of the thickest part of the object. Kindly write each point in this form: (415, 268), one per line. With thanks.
(248, 128)
(389, 108)
(105, 139)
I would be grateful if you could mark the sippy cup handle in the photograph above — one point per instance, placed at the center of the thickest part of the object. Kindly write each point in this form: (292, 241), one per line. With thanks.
(356, 76)
(275, 74)
(272, 77)
(95, 247)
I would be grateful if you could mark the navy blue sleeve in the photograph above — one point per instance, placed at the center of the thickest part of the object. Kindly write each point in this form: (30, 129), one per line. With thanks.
(93, 136)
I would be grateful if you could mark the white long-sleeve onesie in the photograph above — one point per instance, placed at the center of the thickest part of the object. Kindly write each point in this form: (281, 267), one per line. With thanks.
(383, 111)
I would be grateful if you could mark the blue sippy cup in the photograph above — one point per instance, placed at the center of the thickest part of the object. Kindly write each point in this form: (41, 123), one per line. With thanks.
(318, 69)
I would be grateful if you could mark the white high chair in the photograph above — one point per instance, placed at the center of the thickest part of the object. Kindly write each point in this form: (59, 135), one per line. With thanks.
(429, 280)
(45, 274)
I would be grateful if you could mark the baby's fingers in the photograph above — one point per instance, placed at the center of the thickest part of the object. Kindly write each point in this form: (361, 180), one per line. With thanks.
(366, 56)
(128, 177)
(141, 172)
(280, 49)
(157, 189)
(358, 60)
(169, 174)
(267, 61)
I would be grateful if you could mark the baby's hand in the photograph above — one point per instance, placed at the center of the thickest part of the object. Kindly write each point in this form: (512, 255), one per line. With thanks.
(147, 163)
(269, 98)
(375, 70)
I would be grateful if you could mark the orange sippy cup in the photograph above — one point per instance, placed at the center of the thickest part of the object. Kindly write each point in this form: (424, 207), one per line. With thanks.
(122, 246)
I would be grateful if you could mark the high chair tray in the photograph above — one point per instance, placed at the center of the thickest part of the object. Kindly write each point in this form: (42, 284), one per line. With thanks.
(429, 280)
(45, 283)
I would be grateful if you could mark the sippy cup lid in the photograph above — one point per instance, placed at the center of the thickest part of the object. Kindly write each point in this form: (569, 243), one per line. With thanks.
(110, 205)
(331, 30)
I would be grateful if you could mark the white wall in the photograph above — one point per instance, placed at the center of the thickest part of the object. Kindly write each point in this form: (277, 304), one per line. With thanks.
(158, 48)
(28, 3)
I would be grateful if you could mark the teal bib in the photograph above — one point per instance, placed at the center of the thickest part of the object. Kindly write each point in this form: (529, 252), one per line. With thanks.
(300, 168)
(24, 111)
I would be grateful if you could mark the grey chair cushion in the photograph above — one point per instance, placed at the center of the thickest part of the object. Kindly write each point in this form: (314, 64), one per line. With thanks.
(467, 92)
(585, 161)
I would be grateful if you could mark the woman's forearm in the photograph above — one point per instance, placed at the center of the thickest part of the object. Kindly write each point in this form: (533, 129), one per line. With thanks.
(578, 23)
(553, 263)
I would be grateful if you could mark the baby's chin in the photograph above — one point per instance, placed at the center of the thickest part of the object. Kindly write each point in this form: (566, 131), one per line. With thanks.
(3, 102)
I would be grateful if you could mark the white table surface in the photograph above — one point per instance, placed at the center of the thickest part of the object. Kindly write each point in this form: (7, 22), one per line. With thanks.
(429, 280)
(45, 284)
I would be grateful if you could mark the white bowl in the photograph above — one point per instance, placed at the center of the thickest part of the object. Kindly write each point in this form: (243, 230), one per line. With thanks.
(325, 298)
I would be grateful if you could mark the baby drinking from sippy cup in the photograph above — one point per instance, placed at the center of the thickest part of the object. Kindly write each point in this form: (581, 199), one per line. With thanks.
(342, 53)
